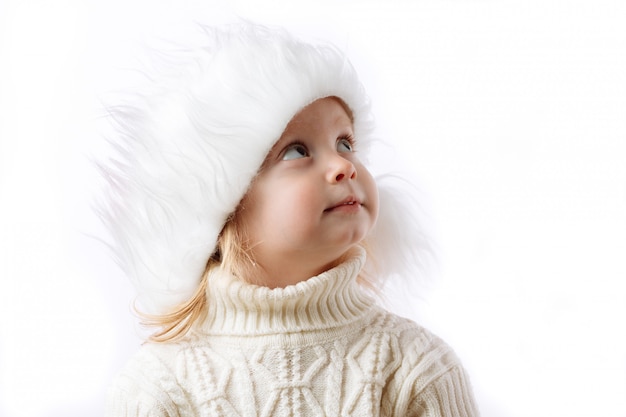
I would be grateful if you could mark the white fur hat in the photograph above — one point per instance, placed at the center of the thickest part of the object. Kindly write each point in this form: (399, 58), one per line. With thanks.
(190, 148)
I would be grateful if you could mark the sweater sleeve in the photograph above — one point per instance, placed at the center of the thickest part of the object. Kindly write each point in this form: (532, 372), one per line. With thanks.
(144, 388)
(127, 398)
(431, 381)
(449, 395)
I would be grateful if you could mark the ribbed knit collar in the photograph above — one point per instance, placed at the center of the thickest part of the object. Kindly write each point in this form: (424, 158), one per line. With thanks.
(326, 301)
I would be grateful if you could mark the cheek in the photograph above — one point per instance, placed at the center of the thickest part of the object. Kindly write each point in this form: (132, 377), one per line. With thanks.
(375, 205)
(371, 190)
(297, 211)
(287, 215)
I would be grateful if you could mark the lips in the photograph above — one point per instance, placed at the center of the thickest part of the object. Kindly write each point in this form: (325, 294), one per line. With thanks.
(348, 203)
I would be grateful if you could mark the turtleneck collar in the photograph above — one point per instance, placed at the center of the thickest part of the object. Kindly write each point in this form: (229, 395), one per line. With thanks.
(326, 301)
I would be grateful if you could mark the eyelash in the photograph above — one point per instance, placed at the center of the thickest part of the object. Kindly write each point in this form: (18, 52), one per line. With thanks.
(349, 139)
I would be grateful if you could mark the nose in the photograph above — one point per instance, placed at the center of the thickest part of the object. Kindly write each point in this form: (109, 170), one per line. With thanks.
(339, 169)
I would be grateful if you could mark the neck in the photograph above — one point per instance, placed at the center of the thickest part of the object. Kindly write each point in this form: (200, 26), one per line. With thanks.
(280, 271)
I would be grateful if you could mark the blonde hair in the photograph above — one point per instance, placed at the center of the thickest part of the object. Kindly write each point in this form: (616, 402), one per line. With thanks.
(232, 253)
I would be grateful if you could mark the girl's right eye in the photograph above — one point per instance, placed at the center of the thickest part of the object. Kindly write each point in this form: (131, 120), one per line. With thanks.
(295, 151)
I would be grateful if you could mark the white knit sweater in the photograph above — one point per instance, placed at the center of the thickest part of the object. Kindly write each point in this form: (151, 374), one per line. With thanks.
(318, 348)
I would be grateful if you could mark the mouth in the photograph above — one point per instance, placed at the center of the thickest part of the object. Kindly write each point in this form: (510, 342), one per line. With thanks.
(349, 203)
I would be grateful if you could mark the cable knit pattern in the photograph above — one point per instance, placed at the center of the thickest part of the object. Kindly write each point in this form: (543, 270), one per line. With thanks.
(318, 348)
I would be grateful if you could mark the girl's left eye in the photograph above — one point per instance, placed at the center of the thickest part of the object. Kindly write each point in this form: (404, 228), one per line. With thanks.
(345, 145)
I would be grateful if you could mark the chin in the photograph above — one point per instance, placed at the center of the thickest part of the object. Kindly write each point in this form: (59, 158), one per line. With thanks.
(345, 252)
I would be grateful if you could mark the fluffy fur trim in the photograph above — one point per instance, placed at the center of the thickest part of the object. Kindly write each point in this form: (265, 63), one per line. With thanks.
(190, 146)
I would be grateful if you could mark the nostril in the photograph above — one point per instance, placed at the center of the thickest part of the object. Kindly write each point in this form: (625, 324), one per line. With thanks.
(339, 177)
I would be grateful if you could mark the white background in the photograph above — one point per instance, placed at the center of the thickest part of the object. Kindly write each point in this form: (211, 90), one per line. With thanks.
(510, 115)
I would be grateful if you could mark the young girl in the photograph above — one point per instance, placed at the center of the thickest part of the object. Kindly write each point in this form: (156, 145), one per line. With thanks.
(242, 210)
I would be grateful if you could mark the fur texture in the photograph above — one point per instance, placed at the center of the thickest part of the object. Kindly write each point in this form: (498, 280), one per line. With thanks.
(190, 146)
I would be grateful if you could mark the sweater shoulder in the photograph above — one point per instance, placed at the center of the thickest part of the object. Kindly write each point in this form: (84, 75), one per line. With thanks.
(146, 385)
(430, 378)
(418, 353)
(413, 340)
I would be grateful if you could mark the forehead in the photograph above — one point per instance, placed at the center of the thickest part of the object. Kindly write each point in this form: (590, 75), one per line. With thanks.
(321, 113)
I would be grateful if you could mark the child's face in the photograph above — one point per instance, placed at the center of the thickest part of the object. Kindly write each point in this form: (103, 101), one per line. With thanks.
(313, 199)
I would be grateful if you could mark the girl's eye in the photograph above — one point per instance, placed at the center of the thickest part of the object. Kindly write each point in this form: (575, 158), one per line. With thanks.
(295, 151)
(345, 145)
